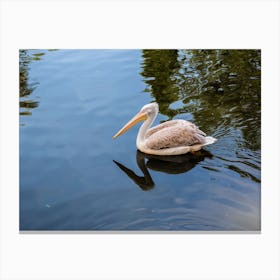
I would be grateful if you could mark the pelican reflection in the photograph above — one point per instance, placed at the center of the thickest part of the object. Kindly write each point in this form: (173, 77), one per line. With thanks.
(168, 164)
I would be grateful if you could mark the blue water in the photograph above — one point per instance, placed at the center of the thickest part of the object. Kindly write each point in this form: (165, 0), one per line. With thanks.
(73, 176)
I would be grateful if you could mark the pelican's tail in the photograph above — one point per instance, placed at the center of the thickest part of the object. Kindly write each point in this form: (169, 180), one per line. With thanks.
(209, 140)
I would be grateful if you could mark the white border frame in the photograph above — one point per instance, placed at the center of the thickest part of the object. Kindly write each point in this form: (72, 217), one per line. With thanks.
(135, 24)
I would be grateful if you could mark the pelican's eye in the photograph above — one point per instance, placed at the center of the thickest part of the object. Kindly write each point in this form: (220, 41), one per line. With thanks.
(149, 111)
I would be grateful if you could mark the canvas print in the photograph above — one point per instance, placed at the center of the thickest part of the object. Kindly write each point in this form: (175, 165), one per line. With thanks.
(157, 140)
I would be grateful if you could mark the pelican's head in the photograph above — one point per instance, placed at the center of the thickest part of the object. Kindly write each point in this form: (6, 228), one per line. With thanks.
(147, 111)
(150, 109)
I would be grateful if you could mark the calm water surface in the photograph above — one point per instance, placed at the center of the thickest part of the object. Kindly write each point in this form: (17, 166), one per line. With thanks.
(73, 176)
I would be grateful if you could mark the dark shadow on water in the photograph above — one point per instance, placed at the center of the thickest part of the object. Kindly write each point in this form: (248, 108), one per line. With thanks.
(166, 164)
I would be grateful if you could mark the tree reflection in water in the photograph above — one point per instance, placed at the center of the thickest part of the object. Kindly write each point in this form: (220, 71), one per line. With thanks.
(159, 67)
(26, 88)
(220, 88)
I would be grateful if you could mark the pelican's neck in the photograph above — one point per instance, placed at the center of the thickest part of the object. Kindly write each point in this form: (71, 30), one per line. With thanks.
(144, 128)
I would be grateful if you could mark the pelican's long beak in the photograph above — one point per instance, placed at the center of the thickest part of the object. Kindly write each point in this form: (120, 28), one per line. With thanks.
(141, 116)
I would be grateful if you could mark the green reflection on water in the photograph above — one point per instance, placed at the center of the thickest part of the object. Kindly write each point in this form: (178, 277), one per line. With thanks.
(159, 68)
(25, 87)
(220, 88)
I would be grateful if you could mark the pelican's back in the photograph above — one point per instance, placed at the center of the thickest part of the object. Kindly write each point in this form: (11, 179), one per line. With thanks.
(175, 133)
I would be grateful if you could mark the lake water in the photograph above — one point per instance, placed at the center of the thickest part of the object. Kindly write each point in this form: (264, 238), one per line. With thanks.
(73, 176)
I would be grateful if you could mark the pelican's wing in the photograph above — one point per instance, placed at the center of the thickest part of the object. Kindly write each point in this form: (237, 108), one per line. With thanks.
(181, 133)
(161, 127)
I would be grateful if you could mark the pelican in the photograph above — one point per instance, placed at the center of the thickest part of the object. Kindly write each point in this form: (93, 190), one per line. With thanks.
(175, 137)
